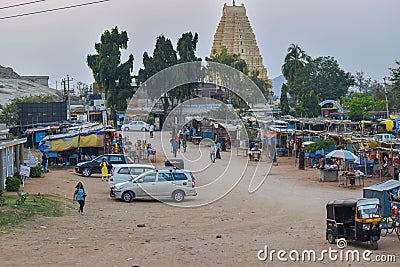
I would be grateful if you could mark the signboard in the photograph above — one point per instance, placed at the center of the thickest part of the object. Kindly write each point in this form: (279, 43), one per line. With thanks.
(25, 170)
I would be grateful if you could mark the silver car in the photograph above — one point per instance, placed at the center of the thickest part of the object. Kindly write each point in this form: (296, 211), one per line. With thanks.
(157, 184)
(136, 126)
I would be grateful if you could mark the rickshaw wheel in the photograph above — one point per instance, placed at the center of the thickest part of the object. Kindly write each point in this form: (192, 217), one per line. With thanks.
(374, 245)
(397, 230)
(385, 227)
(331, 238)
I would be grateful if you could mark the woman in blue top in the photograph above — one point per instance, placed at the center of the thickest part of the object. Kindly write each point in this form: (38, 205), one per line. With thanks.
(80, 195)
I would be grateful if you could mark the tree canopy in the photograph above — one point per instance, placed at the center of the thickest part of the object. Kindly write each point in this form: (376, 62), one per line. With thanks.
(295, 59)
(310, 81)
(113, 77)
(323, 76)
(360, 105)
(165, 56)
(395, 86)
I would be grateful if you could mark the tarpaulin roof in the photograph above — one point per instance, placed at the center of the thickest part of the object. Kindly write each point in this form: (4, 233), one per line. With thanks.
(384, 186)
(39, 129)
(389, 125)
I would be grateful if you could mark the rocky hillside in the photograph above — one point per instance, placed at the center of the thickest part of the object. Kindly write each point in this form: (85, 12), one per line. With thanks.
(11, 86)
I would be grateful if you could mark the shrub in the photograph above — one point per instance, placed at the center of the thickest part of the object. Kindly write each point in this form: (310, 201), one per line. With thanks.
(2, 201)
(36, 172)
(13, 184)
(21, 199)
(1, 191)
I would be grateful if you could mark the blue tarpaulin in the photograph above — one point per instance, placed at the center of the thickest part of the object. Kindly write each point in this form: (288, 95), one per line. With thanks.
(382, 192)
(39, 136)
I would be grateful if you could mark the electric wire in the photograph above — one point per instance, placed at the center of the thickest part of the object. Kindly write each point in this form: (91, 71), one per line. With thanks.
(54, 9)
(22, 4)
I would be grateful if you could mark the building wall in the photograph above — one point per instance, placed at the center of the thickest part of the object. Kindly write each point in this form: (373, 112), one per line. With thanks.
(11, 157)
(43, 80)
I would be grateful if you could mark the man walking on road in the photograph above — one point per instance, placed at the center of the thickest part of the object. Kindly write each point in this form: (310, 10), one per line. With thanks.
(151, 130)
(212, 153)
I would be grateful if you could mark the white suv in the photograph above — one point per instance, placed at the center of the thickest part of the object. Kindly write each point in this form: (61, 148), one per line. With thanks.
(156, 184)
(125, 172)
(136, 126)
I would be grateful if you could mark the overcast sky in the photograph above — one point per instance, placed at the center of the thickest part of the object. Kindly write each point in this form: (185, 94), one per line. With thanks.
(362, 35)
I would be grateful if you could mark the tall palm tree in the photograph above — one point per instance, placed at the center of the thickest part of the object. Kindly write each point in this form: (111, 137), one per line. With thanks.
(295, 59)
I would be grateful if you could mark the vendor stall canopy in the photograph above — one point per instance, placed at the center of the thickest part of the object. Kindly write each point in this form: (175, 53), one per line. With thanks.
(77, 137)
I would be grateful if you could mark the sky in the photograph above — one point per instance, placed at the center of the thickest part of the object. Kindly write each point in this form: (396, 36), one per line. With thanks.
(362, 35)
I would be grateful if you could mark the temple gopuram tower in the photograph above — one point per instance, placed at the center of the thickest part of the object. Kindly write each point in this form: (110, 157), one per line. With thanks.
(235, 33)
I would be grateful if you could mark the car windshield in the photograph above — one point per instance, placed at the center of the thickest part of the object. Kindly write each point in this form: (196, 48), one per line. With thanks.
(368, 211)
(128, 160)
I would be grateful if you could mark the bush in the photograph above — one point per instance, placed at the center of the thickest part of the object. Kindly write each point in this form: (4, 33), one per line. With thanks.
(36, 172)
(1, 191)
(2, 201)
(13, 184)
(21, 198)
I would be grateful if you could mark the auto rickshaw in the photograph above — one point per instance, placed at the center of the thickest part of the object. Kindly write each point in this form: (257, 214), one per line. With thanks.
(354, 219)
(255, 150)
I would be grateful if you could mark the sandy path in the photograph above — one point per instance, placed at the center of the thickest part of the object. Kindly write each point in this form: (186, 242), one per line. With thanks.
(287, 212)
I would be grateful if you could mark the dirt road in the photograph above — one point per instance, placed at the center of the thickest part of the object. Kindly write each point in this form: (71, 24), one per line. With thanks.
(287, 212)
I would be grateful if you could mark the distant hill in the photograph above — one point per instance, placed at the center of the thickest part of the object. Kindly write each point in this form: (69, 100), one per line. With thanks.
(277, 84)
(13, 85)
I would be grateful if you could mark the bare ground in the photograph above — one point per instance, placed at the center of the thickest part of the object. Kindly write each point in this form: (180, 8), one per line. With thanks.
(287, 212)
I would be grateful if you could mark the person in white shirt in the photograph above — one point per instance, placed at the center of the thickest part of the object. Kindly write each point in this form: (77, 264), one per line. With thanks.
(151, 130)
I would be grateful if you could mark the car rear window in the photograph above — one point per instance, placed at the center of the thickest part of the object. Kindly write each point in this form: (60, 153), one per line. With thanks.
(138, 170)
(128, 159)
(116, 159)
(123, 171)
(180, 176)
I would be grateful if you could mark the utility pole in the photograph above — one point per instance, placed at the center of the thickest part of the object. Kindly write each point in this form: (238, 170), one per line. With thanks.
(67, 98)
(386, 94)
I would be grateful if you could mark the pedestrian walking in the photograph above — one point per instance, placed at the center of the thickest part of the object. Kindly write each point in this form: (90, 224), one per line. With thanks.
(184, 144)
(218, 150)
(151, 129)
(104, 170)
(45, 162)
(80, 196)
(174, 145)
(212, 153)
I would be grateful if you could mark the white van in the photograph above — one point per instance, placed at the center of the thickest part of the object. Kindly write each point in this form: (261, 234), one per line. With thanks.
(125, 172)
(384, 137)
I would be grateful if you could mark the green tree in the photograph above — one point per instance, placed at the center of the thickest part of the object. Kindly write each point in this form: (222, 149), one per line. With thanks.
(232, 60)
(323, 76)
(186, 48)
(284, 102)
(363, 84)
(395, 87)
(360, 105)
(262, 84)
(308, 106)
(113, 77)
(164, 56)
(9, 113)
(321, 143)
(295, 59)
